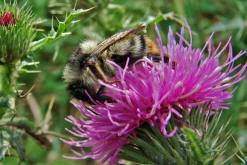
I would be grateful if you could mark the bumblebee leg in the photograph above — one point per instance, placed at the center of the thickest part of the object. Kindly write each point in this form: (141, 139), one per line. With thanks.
(103, 76)
(101, 73)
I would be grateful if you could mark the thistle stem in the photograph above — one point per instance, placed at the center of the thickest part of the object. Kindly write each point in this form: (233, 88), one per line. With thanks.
(4, 80)
(7, 90)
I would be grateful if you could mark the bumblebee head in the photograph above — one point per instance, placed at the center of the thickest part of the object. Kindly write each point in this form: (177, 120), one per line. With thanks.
(77, 60)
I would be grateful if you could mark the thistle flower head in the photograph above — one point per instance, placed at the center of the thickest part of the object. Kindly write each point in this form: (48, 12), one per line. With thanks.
(152, 92)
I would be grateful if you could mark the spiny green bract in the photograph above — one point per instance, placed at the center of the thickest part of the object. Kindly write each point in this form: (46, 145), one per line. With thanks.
(15, 38)
(201, 141)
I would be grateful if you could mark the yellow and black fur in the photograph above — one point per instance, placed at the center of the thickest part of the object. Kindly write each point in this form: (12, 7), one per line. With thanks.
(88, 62)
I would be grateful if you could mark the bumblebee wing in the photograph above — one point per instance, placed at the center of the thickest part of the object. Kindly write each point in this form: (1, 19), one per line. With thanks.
(116, 37)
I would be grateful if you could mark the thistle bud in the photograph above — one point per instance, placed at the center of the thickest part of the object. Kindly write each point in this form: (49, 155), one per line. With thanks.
(7, 19)
(16, 31)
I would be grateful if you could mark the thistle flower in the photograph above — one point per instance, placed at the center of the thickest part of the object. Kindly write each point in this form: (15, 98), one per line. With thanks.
(7, 19)
(153, 92)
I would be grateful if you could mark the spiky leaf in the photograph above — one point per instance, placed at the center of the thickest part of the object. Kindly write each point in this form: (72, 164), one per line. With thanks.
(62, 26)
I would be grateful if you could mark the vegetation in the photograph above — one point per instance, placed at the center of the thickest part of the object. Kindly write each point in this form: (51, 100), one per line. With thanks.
(43, 101)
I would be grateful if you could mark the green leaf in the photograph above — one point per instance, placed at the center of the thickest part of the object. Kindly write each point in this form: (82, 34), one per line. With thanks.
(61, 29)
(26, 63)
(6, 105)
(62, 26)
(4, 142)
(3, 150)
(149, 20)
(23, 71)
(17, 142)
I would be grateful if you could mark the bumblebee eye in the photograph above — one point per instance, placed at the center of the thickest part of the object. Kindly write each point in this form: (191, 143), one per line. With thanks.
(83, 61)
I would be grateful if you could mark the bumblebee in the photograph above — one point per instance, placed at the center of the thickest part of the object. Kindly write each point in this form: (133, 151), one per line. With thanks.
(88, 62)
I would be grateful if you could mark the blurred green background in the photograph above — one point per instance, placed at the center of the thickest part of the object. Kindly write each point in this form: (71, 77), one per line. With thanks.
(225, 17)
